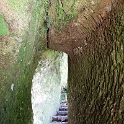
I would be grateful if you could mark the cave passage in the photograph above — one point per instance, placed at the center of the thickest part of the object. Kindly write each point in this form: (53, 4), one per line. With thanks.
(33, 35)
(96, 65)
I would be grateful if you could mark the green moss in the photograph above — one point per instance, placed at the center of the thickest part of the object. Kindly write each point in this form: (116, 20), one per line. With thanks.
(18, 5)
(49, 54)
(64, 13)
(31, 49)
(3, 26)
(21, 73)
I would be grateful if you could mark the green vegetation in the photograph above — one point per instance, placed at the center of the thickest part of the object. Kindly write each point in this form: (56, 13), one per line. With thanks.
(3, 26)
(18, 5)
(64, 15)
(64, 12)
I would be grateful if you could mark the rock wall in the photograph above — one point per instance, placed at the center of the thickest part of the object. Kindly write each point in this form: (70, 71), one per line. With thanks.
(96, 56)
(23, 43)
(96, 74)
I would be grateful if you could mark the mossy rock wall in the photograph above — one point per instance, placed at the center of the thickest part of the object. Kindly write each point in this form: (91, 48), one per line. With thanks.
(22, 45)
(23, 41)
(95, 77)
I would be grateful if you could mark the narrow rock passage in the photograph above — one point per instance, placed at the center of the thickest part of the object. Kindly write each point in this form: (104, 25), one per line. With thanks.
(62, 115)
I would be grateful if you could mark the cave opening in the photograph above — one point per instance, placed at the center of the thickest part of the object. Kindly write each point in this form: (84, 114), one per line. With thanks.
(50, 78)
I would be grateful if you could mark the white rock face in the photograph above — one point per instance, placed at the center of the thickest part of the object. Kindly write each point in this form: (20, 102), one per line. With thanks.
(46, 89)
(64, 69)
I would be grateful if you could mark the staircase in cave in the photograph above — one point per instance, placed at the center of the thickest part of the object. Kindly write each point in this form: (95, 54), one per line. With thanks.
(62, 115)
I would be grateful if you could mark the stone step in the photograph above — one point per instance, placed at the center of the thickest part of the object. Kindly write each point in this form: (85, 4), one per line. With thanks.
(63, 105)
(64, 102)
(59, 123)
(63, 109)
(62, 113)
(60, 118)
